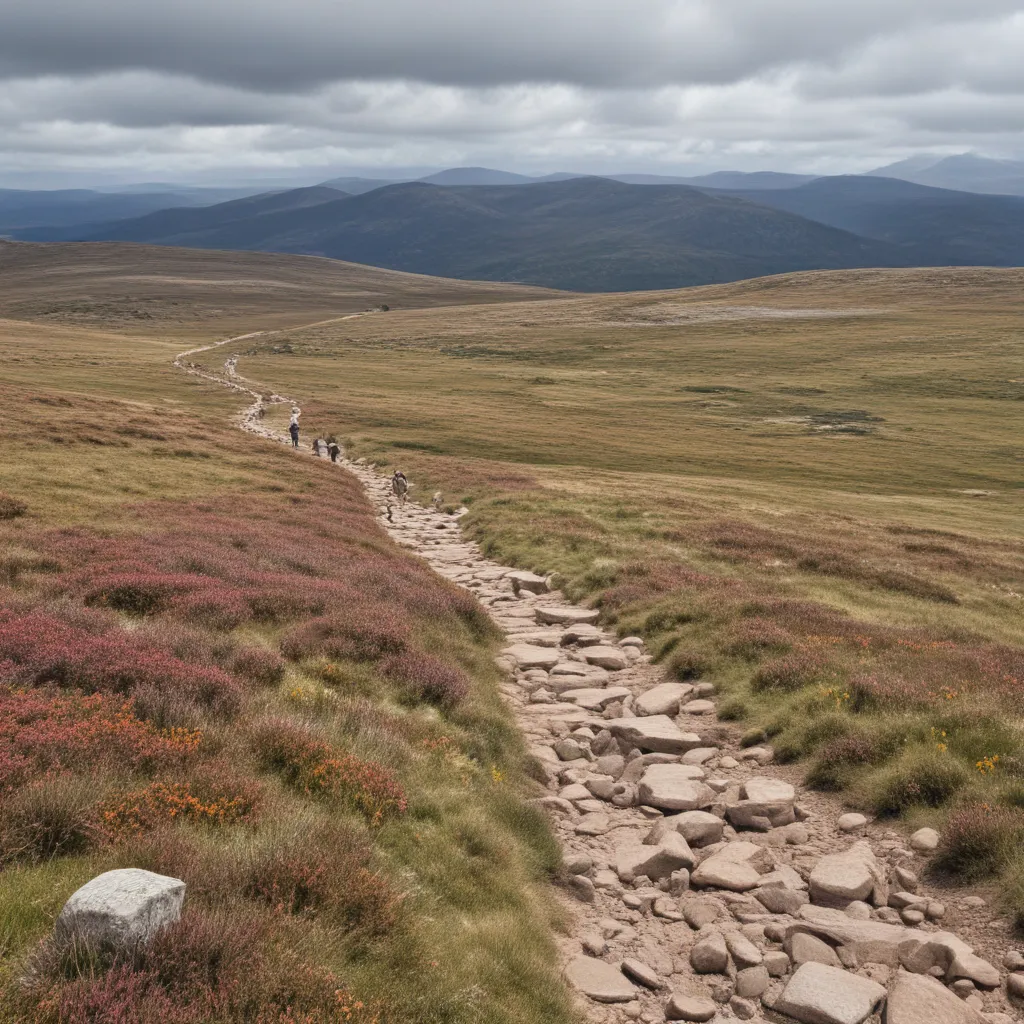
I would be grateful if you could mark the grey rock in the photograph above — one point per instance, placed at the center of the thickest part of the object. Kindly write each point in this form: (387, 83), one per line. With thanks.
(779, 900)
(817, 994)
(569, 616)
(804, 948)
(709, 954)
(672, 787)
(701, 911)
(683, 1006)
(655, 862)
(918, 999)
(743, 951)
(698, 828)
(851, 822)
(639, 972)
(841, 878)
(596, 824)
(663, 699)
(527, 656)
(743, 1009)
(528, 581)
(656, 733)
(599, 981)
(122, 908)
(606, 657)
(568, 749)
(925, 840)
(777, 963)
(751, 982)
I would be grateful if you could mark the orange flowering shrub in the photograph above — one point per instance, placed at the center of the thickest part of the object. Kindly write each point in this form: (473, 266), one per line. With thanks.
(47, 732)
(169, 801)
(316, 768)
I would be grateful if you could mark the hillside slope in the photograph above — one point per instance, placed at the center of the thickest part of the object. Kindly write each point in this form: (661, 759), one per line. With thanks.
(938, 226)
(587, 234)
(147, 289)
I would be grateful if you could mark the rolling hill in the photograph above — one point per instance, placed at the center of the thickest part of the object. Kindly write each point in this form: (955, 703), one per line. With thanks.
(935, 226)
(587, 234)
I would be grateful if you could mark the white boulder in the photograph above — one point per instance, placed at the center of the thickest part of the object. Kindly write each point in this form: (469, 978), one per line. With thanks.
(122, 908)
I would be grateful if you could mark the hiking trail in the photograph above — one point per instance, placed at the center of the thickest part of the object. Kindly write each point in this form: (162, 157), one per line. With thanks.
(706, 883)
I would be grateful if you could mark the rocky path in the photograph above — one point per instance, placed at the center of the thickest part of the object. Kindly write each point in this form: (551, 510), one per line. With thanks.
(706, 885)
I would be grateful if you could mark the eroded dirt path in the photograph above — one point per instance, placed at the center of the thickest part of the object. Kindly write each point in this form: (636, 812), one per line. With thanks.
(705, 883)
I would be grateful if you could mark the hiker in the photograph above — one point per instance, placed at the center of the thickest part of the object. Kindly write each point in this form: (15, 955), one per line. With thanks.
(399, 486)
(316, 447)
(333, 450)
(293, 428)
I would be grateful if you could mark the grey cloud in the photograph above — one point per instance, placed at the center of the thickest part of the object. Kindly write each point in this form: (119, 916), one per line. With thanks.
(259, 44)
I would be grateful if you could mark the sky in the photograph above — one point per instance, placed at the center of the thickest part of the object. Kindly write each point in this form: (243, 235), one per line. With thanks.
(224, 90)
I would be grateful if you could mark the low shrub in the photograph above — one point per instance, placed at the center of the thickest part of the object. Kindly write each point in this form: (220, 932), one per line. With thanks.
(49, 818)
(792, 672)
(687, 665)
(43, 649)
(211, 803)
(316, 768)
(11, 507)
(207, 967)
(45, 732)
(978, 840)
(325, 872)
(424, 677)
(920, 777)
(363, 634)
(259, 665)
(755, 637)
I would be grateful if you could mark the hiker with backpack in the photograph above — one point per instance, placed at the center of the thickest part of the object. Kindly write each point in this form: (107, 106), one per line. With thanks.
(293, 428)
(333, 450)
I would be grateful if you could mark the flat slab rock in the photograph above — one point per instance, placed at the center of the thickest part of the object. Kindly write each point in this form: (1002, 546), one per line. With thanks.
(918, 999)
(595, 698)
(565, 616)
(842, 878)
(522, 580)
(817, 994)
(675, 787)
(657, 733)
(606, 657)
(599, 981)
(663, 699)
(528, 656)
(122, 907)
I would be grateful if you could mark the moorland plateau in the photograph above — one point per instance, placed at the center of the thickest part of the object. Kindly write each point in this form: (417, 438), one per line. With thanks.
(804, 489)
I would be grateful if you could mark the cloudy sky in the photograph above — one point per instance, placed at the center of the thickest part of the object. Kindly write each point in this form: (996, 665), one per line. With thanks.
(213, 89)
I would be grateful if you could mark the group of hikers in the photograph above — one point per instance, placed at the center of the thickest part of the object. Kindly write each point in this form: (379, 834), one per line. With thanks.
(399, 481)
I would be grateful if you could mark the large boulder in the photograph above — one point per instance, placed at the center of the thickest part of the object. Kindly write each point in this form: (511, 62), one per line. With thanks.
(600, 981)
(842, 878)
(818, 994)
(763, 801)
(675, 787)
(122, 908)
(663, 699)
(656, 733)
(918, 999)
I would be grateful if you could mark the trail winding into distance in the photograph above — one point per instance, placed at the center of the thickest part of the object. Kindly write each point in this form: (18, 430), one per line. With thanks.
(702, 882)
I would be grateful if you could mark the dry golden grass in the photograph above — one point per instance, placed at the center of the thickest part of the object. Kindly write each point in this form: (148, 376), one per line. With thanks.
(807, 489)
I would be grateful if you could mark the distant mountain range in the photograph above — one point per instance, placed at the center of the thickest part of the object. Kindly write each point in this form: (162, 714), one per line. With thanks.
(626, 232)
(964, 172)
(586, 234)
